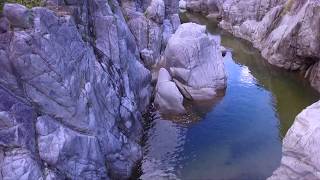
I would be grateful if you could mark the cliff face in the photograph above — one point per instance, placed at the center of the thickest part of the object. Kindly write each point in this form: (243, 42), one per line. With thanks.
(73, 85)
(285, 31)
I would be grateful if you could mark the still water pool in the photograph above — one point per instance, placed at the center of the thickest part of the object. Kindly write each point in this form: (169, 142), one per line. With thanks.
(239, 137)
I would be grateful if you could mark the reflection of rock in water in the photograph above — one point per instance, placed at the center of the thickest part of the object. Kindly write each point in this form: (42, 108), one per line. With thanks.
(195, 110)
(165, 141)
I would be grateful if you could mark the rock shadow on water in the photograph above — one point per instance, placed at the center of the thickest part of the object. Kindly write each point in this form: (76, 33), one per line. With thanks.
(195, 110)
(165, 136)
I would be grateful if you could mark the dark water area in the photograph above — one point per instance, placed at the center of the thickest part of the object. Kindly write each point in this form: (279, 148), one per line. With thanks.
(240, 136)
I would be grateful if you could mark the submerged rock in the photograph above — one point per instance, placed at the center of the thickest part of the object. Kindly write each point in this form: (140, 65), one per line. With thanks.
(301, 158)
(195, 60)
(168, 97)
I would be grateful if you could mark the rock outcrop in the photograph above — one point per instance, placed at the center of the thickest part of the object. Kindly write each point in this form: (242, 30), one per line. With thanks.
(301, 158)
(168, 97)
(285, 31)
(152, 25)
(204, 6)
(73, 85)
(195, 62)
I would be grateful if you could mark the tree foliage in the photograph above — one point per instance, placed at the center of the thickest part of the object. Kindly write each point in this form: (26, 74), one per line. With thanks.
(28, 3)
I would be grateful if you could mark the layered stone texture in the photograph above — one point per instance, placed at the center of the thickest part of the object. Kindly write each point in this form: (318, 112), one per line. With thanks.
(73, 86)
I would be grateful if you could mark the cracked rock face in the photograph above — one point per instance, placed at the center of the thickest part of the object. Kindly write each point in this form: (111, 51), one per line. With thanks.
(301, 147)
(18, 151)
(151, 25)
(74, 83)
(72, 86)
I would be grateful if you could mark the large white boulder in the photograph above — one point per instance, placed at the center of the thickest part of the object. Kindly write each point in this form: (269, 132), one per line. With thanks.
(195, 60)
(168, 97)
(301, 157)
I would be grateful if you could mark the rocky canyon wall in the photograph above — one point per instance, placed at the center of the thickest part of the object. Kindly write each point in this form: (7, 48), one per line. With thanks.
(74, 81)
(285, 31)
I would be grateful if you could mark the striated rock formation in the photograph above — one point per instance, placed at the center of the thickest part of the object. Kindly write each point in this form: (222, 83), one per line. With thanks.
(195, 62)
(301, 147)
(152, 26)
(286, 31)
(73, 86)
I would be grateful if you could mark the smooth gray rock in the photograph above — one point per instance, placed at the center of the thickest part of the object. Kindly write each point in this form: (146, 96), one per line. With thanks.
(196, 61)
(301, 159)
(168, 97)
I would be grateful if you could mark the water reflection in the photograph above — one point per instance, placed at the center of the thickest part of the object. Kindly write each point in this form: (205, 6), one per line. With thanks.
(239, 134)
(246, 76)
(239, 137)
(291, 91)
(162, 150)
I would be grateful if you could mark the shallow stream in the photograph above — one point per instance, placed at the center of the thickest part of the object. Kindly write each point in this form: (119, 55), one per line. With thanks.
(240, 136)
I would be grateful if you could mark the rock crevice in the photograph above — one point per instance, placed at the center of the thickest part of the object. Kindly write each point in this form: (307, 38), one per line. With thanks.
(77, 86)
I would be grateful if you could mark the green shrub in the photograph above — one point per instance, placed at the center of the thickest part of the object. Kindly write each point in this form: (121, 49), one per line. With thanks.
(28, 3)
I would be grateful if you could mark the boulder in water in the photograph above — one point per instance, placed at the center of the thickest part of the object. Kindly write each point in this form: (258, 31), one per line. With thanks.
(195, 60)
(168, 97)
